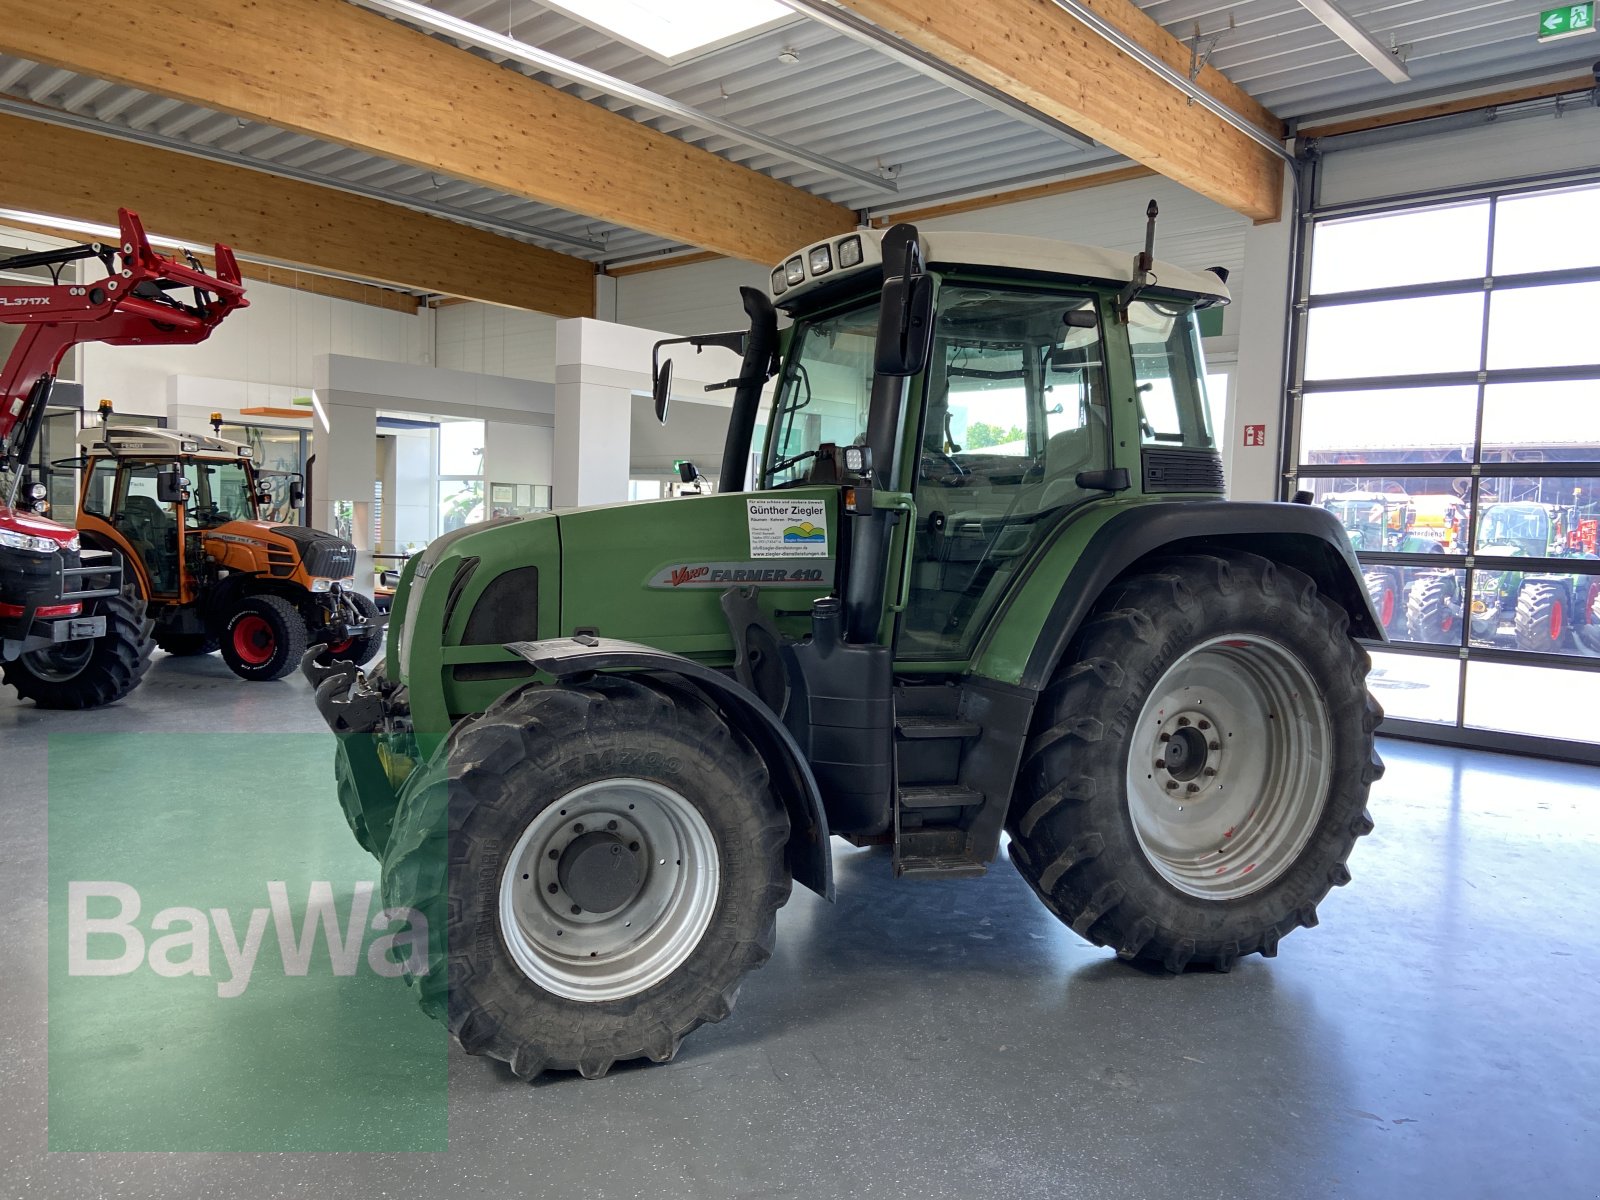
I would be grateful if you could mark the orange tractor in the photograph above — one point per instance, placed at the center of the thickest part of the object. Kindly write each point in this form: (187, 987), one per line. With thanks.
(186, 512)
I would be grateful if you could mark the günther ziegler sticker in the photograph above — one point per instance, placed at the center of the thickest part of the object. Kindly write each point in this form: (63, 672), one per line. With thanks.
(788, 529)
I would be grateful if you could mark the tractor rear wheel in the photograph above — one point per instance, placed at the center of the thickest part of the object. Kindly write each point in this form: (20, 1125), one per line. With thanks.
(599, 865)
(1383, 587)
(1199, 768)
(362, 648)
(1587, 618)
(185, 645)
(1432, 611)
(264, 638)
(90, 673)
(1542, 618)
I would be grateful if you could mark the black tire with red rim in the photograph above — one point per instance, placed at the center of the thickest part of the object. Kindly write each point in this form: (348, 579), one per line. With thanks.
(359, 648)
(264, 638)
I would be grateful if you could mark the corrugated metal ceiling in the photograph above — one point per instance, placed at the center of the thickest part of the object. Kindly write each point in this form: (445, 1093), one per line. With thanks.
(840, 99)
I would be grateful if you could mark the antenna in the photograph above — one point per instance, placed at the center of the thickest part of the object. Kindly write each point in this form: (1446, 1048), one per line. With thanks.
(1142, 264)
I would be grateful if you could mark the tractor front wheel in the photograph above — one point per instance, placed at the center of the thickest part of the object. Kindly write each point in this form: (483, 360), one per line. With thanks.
(1433, 612)
(1542, 618)
(1199, 768)
(88, 673)
(599, 866)
(1383, 587)
(264, 638)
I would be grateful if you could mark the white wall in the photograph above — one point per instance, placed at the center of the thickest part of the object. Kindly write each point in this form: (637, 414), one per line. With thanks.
(269, 347)
(701, 298)
(492, 340)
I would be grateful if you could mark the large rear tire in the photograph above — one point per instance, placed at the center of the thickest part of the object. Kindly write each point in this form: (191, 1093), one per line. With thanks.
(1433, 611)
(1543, 618)
(88, 674)
(264, 638)
(1383, 587)
(599, 866)
(1199, 768)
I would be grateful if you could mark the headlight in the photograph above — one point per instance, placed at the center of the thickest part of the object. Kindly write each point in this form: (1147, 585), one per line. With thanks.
(37, 545)
(795, 270)
(849, 252)
(326, 585)
(821, 260)
(38, 492)
(780, 284)
(321, 585)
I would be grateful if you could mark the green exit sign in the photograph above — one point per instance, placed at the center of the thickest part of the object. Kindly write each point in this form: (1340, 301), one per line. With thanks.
(1566, 22)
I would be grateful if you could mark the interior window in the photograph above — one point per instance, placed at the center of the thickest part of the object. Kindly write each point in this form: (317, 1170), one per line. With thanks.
(1014, 412)
(1170, 375)
(102, 484)
(824, 392)
(221, 493)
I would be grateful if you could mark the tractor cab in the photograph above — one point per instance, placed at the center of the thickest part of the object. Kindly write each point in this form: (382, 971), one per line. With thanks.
(1521, 528)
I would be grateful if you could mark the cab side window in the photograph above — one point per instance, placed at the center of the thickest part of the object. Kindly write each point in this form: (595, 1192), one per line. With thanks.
(1170, 375)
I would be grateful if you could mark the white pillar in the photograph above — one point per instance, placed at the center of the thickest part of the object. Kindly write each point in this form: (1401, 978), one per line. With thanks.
(594, 414)
(345, 445)
(1259, 396)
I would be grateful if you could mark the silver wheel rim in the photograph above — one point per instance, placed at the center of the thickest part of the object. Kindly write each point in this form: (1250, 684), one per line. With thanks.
(1229, 768)
(596, 956)
(60, 664)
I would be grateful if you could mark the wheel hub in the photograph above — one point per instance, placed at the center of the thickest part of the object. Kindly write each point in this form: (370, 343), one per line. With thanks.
(599, 872)
(1188, 745)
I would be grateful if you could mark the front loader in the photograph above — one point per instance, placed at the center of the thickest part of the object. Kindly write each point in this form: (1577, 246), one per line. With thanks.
(72, 628)
(982, 586)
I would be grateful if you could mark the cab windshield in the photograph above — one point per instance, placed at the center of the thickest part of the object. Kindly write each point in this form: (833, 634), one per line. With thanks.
(220, 492)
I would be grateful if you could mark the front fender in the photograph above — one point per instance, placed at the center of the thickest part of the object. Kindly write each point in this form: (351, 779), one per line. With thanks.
(808, 853)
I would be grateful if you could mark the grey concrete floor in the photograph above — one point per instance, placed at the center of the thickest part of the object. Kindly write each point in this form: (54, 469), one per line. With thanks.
(1436, 1036)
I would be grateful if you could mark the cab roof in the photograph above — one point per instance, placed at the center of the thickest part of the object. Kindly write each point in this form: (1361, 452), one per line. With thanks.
(1002, 251)
(142, 441)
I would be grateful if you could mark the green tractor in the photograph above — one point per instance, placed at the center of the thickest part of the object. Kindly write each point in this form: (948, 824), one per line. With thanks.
(1381, 522)
(1545, 611)
(982, 585)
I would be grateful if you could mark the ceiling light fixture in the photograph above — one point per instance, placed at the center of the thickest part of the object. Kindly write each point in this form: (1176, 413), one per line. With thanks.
(673, 30)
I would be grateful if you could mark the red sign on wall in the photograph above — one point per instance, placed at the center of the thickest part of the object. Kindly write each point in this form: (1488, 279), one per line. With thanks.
(1255, 435)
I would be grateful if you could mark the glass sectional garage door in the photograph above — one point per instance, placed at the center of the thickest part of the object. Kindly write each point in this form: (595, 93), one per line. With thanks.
(1448, 413)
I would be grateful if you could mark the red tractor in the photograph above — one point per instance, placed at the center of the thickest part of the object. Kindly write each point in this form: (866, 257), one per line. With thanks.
(72, 631)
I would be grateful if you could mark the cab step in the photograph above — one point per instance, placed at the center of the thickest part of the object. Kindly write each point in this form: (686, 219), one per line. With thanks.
(939, 795)
(919, 727)
(939, 868)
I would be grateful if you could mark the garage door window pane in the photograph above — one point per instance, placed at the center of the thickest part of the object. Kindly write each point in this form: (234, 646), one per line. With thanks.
(1548, 422)
(1541, 701)
(1389, 425)
(1413, 688)
(1434, 334)
(1545, 327)
(1428, 246)
(1550, 231)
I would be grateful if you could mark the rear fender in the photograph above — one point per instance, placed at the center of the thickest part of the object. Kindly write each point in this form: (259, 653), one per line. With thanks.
(808, 854)
(1310, 540)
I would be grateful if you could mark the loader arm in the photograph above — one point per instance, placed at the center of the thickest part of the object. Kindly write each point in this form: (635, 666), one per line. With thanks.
(140, 301)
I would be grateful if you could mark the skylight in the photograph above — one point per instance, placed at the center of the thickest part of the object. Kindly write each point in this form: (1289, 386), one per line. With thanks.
(673, 30)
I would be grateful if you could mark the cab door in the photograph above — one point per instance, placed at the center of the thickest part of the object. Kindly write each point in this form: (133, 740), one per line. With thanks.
(153, 529)
(1015, 410)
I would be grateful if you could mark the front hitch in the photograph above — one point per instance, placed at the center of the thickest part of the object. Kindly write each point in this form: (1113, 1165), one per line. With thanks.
(343, 697)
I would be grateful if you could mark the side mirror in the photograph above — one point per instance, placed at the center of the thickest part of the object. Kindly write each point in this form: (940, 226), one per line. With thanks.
(297, 493)
(905, 314)
(688, 472)
(172, 487)
(661, 389)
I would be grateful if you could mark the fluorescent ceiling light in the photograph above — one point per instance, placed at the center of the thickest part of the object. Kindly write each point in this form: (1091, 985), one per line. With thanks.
(676, 29)
(1346, 28)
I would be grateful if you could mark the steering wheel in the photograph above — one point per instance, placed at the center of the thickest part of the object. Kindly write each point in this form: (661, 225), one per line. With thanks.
(951, 476)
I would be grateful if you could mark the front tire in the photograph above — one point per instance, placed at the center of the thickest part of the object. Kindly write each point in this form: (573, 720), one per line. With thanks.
(1383, 587)
(1199, 768)
(88, 674)
(1433, 611)
(632, 803)
(264, 638)
(362, 648)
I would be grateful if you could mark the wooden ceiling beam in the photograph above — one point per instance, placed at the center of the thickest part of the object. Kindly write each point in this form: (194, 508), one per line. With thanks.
(1036, 51)
(330, 70)
(79, 176)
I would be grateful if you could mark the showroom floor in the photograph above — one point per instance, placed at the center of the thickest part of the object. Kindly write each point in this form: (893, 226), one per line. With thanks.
(1434, 1037)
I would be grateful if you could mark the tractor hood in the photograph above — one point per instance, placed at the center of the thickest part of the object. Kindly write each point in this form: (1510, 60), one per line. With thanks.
(29, 525)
